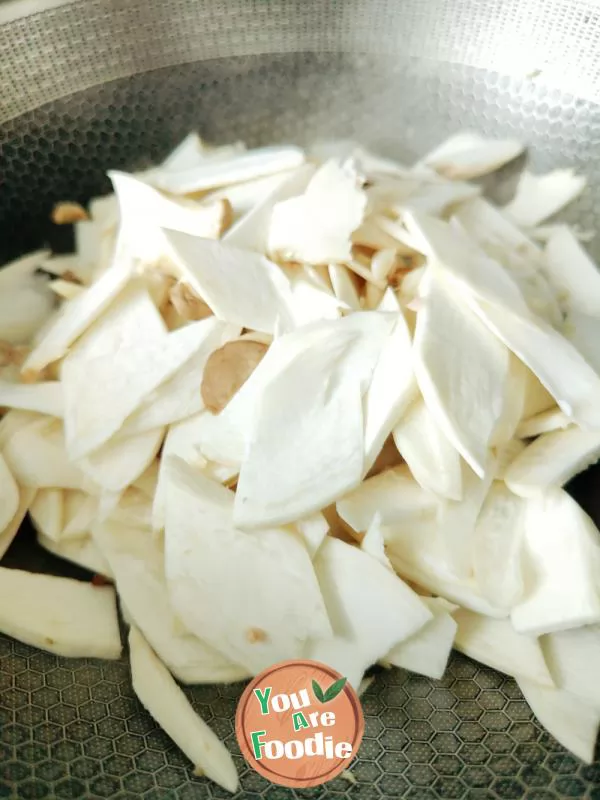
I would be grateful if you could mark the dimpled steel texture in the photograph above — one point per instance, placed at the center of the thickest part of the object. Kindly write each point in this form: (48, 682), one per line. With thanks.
(116, 83)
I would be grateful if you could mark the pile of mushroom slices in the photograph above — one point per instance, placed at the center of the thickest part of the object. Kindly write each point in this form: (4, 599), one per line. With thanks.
(309, 404)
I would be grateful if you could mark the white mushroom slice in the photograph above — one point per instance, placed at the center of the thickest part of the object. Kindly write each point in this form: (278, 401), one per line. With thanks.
(574, 660)
(14, 272)
(80, 511)
(81, 551)
(454, 353)
(310, 303)
(417, 553)
(317, 274)
(393, 388)
(583, 332)
(37, 457)
(383, 263)
(537, 397)
(561, 566)
(373, 542)
(507, 245)
(362, 634)
(558, 365)
(457, 519)
(548, 421)
(316, 227)
(119, 462)
(389, 191)
(514, 403)
(224, 438)
(495, 643)
(251, 232)
(573, 722)
(180, 396)
(437, 198)
(406, 242)
(192, 152)
(505, 455)
(183, 440)
(427, 651)
(137, 563)
(371, 164)
(243, 197)
(468, 155)
(371, 234)
(552, 460)
(133, 510)
(100, 393)
(144, 211)
(8, 533)
(240, 166)
(270, 571)
(47, 513)
(188, 153)
(410, 287)
(91, 238)
(131, 317)
(26, 301)
(9, 495)
(45, 398)
(465, 260)
(322, 456)
(76, 316)
(394, 494)
(313, 530)
(540, 196)
(176, 399)
(497, 547)
(344, 286)
(66, 617)
(432, 459)
(66, 290)
(543, 233)
(572, 272)
(317, 400)
(148, 480)
(167, 704)
(241, 287)
(389, 301)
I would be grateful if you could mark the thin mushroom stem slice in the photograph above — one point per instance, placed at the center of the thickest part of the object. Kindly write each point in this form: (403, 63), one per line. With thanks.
(432, 459)
(573, 722)
(494, 642)
(63, 616)
(9, 495)
(467, 155)
(167, 704)
(454, 353)
(270, 569)
(552, 460)
(239, 166)
(427, 651)
(561, 564)
(362, 635)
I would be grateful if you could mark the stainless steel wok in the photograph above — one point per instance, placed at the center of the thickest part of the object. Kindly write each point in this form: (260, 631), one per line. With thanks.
(95, 83)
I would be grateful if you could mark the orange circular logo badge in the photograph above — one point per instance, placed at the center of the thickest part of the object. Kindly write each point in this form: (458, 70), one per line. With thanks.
(299, 723)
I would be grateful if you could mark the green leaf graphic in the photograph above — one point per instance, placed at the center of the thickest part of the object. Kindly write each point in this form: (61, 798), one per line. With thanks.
(318, 692)
(335, 688)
